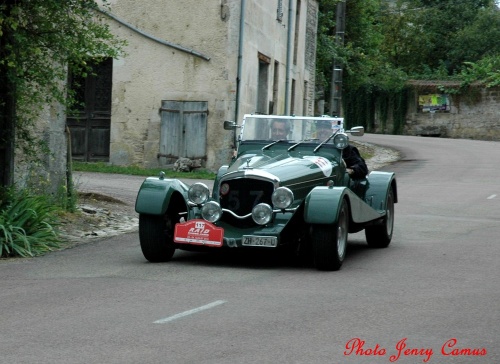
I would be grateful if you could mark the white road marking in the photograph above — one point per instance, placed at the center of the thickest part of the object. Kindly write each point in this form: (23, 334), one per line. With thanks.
(492, 197)
(190, 312)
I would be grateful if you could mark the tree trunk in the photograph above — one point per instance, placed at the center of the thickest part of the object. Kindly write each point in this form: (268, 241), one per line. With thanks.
(7, 106)
(7, 123)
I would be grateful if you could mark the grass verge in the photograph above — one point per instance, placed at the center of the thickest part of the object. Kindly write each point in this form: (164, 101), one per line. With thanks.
(102, 167)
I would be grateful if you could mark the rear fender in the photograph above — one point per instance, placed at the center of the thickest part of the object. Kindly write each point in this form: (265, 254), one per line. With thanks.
(379, 185)
(155, 194)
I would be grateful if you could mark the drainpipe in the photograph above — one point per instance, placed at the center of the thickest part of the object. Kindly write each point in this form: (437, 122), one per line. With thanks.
(161, 41)
(336, 84)
(288, 57)
(240, 64)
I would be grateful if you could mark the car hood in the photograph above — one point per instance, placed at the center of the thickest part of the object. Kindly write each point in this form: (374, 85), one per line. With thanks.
(284, 168)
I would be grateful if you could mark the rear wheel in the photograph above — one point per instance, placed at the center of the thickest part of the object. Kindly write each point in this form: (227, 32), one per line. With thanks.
(380, 236)
(156, 237)
(330, 241)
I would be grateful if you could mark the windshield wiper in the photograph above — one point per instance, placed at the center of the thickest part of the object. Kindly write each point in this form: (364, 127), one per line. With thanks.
(275, 142)
(293, 146)
(325, 141)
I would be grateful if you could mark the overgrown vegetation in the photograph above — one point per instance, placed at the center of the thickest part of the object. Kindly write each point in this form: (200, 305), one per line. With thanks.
(27, 225)
(39, 40)
(388, 43)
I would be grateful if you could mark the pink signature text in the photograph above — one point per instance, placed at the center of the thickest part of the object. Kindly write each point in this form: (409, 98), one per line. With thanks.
(358, 347)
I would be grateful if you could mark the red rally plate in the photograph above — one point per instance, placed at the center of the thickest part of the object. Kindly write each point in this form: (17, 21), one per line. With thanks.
(198, 232)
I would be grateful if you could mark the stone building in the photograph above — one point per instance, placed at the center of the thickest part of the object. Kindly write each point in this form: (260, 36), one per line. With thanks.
(189, 66)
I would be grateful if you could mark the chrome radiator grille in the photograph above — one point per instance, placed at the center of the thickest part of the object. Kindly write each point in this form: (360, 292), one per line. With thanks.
(241, 195)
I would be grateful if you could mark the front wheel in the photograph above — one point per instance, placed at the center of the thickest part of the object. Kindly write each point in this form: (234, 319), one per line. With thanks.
(330, 241)
(380, 236)
(156, 238)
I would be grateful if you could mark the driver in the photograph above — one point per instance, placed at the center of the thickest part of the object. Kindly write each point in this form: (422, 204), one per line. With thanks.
(356, 165)
(280, 129)
(323, 129)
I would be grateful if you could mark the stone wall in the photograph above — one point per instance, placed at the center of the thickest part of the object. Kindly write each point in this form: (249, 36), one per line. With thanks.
(471, 115)
(45, 173)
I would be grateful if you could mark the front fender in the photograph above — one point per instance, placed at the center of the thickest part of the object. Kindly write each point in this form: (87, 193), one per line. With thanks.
(155, 193)
(322, 206)
(215, 192)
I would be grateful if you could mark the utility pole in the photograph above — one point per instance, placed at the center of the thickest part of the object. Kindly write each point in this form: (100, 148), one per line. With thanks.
(337, 70)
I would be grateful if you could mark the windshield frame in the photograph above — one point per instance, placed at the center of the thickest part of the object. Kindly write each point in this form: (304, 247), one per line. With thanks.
(301, 129)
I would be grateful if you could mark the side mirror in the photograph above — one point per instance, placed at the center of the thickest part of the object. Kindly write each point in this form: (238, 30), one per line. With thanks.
(230, 125)
(357, 131)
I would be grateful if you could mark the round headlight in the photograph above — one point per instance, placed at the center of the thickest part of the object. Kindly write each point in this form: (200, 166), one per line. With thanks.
(282, 198)
(262, 213)
(211, 211)
(340, 141)
(198, 193)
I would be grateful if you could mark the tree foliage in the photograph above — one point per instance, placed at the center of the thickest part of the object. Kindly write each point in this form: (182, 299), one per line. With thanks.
(444, 34)
(362, 54)
(44, 37)
(326, 47)
(39, 39)
(388, 42)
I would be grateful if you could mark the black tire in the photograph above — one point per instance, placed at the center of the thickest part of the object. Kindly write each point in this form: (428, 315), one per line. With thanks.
(156, 238)
(380, 236)
(330, 241)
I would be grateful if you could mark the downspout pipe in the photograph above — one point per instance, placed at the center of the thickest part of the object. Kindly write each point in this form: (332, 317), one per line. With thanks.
(240, 63)
(161, 41)
(289, 57)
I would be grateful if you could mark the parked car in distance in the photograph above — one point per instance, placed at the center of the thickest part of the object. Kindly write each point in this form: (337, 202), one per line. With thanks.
(285, 189)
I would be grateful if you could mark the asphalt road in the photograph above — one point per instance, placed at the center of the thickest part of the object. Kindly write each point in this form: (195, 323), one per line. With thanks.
(123, 188)
(433, 296)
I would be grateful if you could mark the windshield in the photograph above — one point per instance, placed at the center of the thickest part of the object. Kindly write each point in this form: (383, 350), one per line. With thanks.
(289, 128)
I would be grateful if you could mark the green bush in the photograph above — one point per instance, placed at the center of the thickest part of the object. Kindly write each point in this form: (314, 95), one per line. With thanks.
(27, 225)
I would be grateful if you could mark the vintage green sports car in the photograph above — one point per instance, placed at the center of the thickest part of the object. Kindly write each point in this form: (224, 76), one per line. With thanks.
(286, 188)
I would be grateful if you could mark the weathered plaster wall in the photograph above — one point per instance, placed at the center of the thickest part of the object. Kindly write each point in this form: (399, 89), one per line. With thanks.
(152, 72)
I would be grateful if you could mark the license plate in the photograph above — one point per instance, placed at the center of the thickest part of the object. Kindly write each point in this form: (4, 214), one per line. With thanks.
(198, 232)
(264, 241)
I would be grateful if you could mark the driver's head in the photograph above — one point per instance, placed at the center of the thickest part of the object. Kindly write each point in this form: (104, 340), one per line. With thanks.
(280, 129)
(323, 129)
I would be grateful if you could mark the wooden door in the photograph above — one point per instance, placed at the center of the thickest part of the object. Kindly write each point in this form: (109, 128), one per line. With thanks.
(90, 125)
(183, 130)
